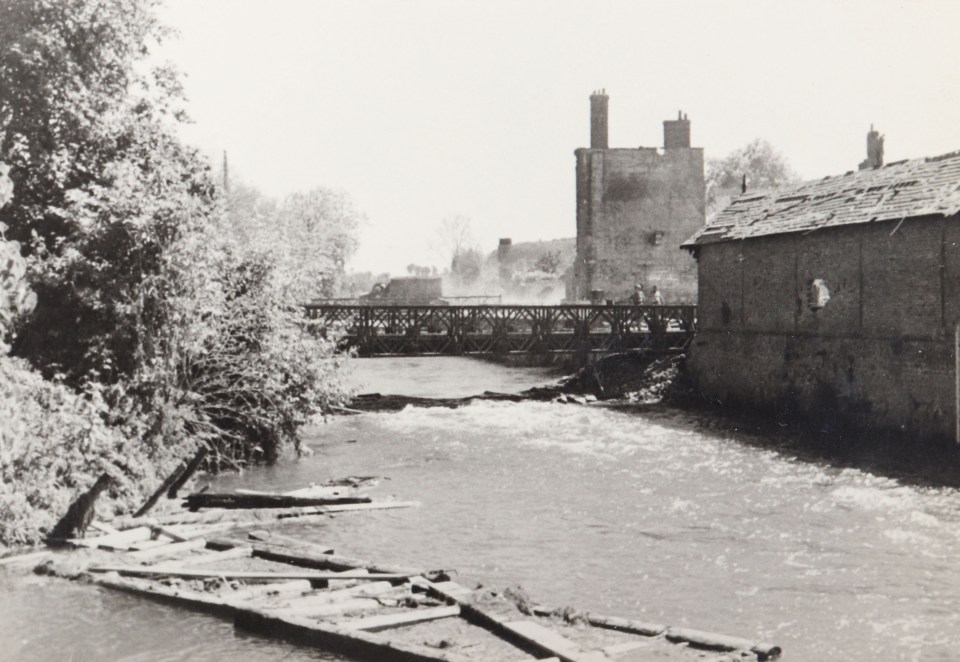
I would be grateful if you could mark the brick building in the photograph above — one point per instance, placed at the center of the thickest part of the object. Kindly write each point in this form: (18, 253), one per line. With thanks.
(838, 297)
(634, 208)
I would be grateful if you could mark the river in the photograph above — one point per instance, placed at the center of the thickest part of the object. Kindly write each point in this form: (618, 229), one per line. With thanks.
(653, 513)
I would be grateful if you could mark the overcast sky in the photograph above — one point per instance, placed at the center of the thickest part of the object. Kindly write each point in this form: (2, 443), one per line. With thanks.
(424, 109)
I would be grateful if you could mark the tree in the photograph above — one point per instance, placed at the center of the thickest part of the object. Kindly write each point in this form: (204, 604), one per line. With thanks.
(154, 328)
(310, 235)
(318, 233)
(67, 82)
(456, 243)
(762, 165)
(548, 262)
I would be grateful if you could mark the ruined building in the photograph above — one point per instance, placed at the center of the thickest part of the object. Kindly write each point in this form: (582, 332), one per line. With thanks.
(634, 208)
(838, 298)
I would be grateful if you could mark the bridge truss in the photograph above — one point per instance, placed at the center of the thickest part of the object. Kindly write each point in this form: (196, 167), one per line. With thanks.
(390, 330)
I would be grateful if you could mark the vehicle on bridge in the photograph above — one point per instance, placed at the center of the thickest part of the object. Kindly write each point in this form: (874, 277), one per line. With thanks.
(408, 291)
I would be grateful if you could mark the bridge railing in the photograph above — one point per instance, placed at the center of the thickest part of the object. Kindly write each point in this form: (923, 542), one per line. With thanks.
(487, 329)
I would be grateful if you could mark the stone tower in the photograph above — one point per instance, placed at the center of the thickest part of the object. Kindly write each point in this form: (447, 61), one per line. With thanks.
(635, 206)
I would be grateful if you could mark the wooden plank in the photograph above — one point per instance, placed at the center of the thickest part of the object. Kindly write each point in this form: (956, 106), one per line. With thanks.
(120, 540)
(211, 557)
(556, 644)
(306, 603)
(355, 644)
(380, 505)
(168, 532)
(30, 557)
(196, 599)
(259, 501)
(625, 647)
(346, 583)
(104, 527)
(721, 642)
(334, 608)
(169, 549)
(625, 625)
(407, 617)
(530, 634)
(146, 544)
(292, 587)
(147, 571)
(285, 554)
(260, 514)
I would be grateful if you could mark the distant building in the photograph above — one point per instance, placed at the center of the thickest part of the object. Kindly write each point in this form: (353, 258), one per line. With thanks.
(838, 297)
(634, 208)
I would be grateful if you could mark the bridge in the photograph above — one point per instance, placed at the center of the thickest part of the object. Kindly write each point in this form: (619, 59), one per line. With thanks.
(453, 330)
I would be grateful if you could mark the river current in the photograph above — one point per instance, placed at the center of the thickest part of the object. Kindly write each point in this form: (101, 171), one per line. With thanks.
(655, 513)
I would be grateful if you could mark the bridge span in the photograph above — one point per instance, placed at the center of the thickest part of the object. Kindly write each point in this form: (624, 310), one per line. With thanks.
(453, 330)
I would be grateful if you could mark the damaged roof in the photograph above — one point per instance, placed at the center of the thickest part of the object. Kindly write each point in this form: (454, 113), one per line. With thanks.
(905, 189)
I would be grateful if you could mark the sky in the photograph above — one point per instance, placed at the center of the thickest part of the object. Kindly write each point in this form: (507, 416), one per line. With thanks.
(423, 110)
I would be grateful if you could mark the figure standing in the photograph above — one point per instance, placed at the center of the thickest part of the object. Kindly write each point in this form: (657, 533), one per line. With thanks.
(656, 296)
(637, 298)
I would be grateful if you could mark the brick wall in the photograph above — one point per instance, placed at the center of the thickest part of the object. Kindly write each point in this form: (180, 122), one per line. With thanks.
(634, 209)
(879, 352)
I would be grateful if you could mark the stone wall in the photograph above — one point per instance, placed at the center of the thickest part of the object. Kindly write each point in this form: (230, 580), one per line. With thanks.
(878, 350)
(634, 209)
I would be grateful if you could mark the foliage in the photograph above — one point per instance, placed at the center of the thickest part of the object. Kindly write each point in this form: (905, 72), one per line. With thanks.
(154, 329)
(466, 265)
(266, 372)
(548, 262)
(309, 235)
(66, 71)
(762, 165)
(54, 443)
(421, 272)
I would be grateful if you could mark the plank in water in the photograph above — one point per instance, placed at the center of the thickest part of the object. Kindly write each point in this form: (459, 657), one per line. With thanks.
(292, 587)
(228, 500)
(210, 557)
(169, 549)
(143, 571)
(305, 605)
(548, 640)
(408, 617)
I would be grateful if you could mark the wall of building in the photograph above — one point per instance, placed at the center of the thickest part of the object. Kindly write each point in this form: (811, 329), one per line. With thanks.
(879, 351)
(634, 209)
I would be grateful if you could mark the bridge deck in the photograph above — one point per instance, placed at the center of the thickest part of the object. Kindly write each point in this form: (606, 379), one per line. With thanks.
(385, 330)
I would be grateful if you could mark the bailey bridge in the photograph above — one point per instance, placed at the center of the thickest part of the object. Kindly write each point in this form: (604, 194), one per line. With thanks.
(453, 330)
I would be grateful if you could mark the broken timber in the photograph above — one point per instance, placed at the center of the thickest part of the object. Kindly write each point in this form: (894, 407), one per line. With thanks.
(368, 610)
(208, 500)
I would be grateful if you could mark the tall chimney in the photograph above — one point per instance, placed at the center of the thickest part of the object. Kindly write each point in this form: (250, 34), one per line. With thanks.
(598, 120)
(676, 133)
(874, 150)
(505, 272)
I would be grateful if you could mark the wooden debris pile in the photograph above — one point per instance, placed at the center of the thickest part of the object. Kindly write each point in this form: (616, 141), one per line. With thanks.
(304, 592)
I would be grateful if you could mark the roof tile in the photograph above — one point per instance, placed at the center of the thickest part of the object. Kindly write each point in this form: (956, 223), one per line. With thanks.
(905, 189)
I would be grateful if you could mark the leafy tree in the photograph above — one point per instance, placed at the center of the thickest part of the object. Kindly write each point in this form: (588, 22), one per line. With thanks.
(67, 88)
(319, 234)
(310, 235)
(156, 330)
(548, 262)
(762, 165)
(467, 265)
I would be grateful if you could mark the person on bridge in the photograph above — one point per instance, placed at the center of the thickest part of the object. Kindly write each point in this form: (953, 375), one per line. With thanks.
(656, 296)
(637, 297)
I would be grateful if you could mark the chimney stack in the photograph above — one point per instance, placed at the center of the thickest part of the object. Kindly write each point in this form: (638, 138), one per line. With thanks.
(505, 272)
(874, 150)
(676, 133)
(598, 120)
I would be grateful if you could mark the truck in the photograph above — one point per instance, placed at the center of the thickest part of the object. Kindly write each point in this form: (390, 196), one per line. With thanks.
(409, 290)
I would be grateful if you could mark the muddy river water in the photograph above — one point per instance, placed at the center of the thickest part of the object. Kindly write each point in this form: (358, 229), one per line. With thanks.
(655, 514)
